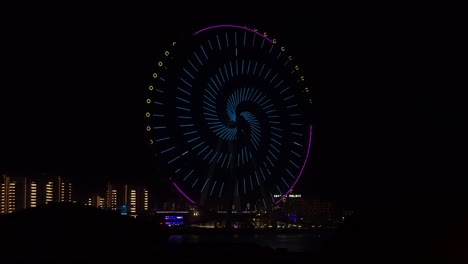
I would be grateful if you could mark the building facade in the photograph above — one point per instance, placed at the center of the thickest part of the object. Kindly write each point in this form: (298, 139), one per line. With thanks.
(129, 199)
(97, 200)
(27, 192)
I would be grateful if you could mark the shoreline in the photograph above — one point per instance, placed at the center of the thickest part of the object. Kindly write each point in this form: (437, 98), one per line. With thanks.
(198, 230)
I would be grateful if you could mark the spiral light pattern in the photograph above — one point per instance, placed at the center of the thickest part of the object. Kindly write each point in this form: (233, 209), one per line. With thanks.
(226, 111)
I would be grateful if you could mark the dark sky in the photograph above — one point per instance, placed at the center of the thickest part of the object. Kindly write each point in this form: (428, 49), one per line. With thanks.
(387, 82)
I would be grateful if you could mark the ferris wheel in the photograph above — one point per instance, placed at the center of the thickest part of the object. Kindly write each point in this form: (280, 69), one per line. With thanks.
(227, 111)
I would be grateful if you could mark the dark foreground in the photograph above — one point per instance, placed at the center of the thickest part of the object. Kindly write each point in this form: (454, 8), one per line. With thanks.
(77, 233)
(73, 232)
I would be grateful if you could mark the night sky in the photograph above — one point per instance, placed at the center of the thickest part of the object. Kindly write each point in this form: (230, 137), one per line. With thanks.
(386, 80)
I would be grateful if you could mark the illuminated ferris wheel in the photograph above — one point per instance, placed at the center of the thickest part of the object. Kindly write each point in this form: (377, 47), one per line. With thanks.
(227, 111)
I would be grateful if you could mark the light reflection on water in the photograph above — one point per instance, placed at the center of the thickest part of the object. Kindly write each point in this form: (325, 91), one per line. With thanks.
(292, 242)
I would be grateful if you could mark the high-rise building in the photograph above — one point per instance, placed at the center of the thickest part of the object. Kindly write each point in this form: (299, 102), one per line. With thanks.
(25, 192)
(50, 189)
(129, 199)
(13, 194)
(97, 200)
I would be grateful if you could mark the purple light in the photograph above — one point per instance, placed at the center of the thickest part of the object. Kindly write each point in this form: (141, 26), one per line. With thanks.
(302, 169)
(310, 129)
(290, 189)
(233, 26)
(188, 198)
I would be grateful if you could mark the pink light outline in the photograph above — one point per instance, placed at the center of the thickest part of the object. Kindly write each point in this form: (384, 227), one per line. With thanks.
(233, 26)
(186, 196)
(310, 127)
(302, 169)
(290, 189)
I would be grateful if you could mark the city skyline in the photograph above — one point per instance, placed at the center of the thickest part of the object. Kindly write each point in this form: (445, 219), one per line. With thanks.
(20, 195)
(52, 188)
